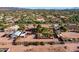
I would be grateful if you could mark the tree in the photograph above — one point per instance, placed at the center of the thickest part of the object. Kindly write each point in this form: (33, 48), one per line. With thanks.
(63, 28)
(43, 32)
(22, 27)
(74, 19)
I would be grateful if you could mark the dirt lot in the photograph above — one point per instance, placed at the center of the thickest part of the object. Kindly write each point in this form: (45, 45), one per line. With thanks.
(67, 47)
(70, 35)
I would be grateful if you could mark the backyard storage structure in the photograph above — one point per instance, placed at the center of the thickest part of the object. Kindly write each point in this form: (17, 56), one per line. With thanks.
(16, 34)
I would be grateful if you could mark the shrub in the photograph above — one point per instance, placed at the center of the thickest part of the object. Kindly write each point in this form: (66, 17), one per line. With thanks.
(69, 40)
(42, 43)
(61, 42)
(34, 43)
(65, 40)
(51, 43)
(65, 47)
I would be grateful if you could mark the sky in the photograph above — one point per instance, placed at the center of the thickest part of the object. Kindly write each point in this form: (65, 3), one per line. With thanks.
(39, 3)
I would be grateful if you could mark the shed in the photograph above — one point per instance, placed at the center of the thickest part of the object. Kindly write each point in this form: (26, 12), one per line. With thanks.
(18, 34)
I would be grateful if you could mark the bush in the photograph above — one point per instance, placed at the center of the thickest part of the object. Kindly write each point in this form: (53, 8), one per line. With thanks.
(51, 43)
(65, 47)
(69, 40)
(61, 42)
(34, 43)
(65, 40)
(42, 43)
(74, 40)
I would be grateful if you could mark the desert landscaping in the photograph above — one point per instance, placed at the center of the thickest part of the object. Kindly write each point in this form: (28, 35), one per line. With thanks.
(39, 30)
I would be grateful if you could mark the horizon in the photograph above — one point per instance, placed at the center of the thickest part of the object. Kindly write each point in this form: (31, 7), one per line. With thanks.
(50, 7)
(43, 7)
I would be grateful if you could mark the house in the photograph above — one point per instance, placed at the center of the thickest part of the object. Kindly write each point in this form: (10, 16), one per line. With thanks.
(63, 17)
(9, 18)
(46, 25)
(40, 18)
(73, 28)
(1, 17)
(12, 28)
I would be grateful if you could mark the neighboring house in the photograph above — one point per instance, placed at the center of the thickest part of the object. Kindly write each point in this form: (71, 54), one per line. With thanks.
(15, 19)
(1, 17)
(46, 25)
(73, 28)
(40, 18)
(12, 28)
(8, 19)
(62, 17)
